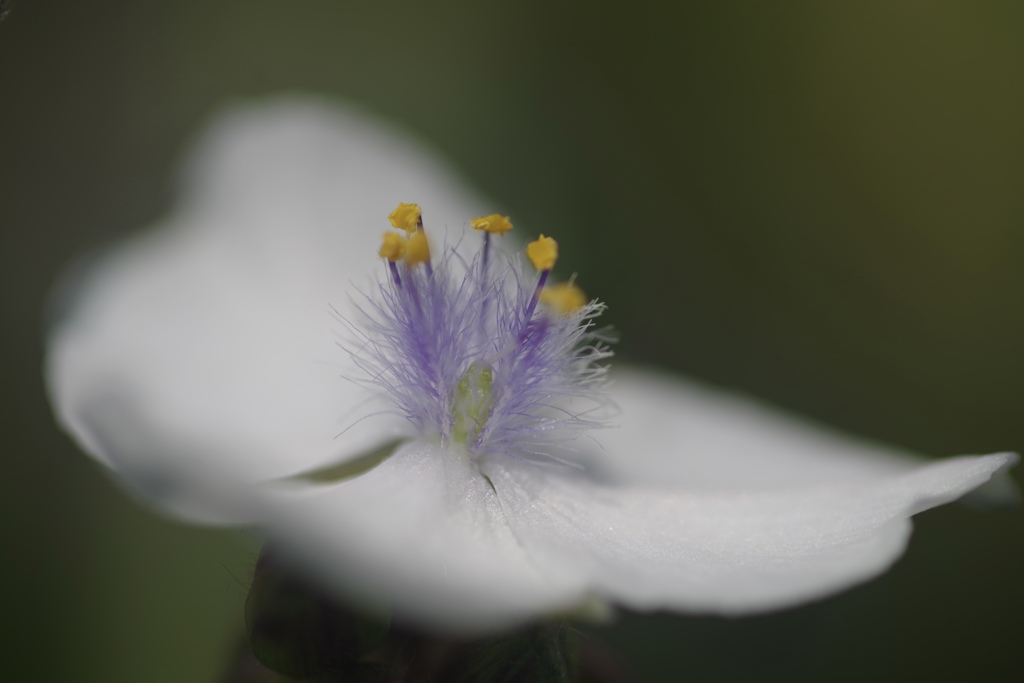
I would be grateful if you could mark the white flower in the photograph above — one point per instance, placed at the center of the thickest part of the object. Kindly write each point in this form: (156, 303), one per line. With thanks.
(199, 363)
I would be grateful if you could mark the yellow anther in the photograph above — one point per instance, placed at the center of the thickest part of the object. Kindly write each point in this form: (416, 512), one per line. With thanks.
(416, 249)
(407, 217)
(393, 247)
(564, 298)
(495, 224)
(542, 252)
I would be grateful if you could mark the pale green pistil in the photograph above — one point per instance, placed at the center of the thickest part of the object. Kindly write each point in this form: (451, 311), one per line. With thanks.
(471, 403)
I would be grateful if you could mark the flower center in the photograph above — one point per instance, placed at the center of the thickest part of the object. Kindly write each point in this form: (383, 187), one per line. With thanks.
(471, 403)
(476, 350)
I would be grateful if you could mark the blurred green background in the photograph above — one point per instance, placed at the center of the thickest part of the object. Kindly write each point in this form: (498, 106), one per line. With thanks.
(817, 203)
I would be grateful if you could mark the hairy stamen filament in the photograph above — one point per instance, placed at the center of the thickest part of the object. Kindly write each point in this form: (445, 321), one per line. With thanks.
(484, 256)
(475, 353)
(394, 273)
(532, 306)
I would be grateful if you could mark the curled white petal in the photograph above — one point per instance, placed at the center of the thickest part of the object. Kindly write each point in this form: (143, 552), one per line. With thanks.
(201, 356)
(673, 430)
(423, 534)
(727, 553)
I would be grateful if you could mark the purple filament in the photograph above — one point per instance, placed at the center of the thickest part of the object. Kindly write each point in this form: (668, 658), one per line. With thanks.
(424, 328)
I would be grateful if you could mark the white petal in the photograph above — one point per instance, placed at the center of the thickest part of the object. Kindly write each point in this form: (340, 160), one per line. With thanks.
(205, 351)
(423, 532)
(727, 553)
(676, 431)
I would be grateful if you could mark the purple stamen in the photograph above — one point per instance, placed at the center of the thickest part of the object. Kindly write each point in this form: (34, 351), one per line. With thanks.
(426, 329)
(484, 256)
(533, 303)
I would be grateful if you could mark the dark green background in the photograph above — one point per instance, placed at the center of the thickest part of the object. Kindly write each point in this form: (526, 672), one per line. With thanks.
(818, 203)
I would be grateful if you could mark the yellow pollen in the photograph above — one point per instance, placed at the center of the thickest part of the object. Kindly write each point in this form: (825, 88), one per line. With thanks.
(416, 249)
(393, 247)
(563, 298)
(543, 252)
(407, 217)
(495, 224)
